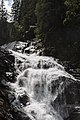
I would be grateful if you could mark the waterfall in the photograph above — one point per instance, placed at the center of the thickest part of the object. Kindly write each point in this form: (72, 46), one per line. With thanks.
(40, 81)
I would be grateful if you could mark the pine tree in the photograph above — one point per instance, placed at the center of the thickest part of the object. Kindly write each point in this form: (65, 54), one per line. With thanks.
(24, 17)
(72, 11)
(16, 10)
(3, 11)
(27, 13)
(3, 23)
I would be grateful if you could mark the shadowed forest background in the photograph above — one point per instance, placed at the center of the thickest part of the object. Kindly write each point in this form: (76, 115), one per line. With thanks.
(34, 86)
(53, 24)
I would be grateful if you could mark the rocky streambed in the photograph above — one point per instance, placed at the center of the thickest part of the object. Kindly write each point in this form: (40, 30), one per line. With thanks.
(34, 87)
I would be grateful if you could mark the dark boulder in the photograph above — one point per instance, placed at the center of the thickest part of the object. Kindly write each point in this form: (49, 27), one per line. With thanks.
(7, 70)
(29, 35)
(23, 99)
(6, 74)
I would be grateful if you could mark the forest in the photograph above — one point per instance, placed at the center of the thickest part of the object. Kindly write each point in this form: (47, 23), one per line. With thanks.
(39, 59)
(53, 24)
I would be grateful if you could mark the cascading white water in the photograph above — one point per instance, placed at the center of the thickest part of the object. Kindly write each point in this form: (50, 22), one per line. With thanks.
(38, 79)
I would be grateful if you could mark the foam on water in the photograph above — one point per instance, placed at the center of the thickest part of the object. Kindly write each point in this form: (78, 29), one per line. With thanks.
(39, 78)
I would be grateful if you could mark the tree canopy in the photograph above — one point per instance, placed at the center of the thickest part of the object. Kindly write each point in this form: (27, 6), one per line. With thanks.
(55, 23)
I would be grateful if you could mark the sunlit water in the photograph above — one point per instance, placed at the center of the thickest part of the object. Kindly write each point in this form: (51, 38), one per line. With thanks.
(39, 78)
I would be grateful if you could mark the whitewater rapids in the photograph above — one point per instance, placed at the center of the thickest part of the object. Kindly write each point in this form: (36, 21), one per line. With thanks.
(41, 79)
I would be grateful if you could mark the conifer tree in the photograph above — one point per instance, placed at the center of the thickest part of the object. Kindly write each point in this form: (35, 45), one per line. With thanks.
(3, 11)
(27, 13)
(16, 10)
(3, 23)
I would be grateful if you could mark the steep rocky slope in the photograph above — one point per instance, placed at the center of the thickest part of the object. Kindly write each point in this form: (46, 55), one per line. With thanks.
(42, 90)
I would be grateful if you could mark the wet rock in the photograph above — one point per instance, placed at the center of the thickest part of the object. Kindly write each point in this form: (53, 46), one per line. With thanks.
(23, 99)
(7, 74)
(21, 83)
(68, 99)
(74, 115)
(20, 116)
(7, 66)
(1, 102)
(29, 35)
(4, 106)
(11, 97)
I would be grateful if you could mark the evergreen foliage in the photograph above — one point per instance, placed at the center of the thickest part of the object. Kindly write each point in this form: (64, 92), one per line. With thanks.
(16, 10)
(72, 11)
(3, 11)
(57, 25)
(27, 13)
(50, 15)
(3, 23)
